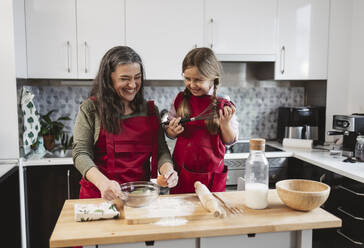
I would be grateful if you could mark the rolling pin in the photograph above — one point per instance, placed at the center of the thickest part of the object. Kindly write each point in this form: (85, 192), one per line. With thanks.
(207, 200)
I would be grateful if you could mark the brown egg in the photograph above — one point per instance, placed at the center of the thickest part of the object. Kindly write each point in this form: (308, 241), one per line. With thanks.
(162, 181)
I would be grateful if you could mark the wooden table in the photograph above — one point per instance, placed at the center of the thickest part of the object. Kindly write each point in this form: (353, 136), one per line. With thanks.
(277, 223)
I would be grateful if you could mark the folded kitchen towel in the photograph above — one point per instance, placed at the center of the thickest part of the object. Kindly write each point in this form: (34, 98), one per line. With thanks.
(88, 212)
(297, 143)
(31, 123)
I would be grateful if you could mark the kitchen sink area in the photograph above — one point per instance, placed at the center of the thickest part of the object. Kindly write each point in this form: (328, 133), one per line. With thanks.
(243, 147)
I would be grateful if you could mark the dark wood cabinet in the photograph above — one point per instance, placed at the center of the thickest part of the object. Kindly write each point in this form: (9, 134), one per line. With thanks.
(46, 189)
(346, 201)
(10, 209)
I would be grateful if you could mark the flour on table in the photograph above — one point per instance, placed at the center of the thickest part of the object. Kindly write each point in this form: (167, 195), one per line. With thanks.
(170, 207)
(171, 221)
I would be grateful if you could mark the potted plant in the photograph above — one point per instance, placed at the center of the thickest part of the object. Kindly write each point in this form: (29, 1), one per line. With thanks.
(64, 150)
(51, 130)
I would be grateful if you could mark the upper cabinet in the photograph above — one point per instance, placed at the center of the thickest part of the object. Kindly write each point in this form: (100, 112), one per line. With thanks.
(302, 50)
(67, 40)
(19, 39)
(162, 32)
(243, 30)
(51, 39)
(100, 26)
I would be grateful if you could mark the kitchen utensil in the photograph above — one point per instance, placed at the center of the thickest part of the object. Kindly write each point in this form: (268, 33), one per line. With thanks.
(302, 194)
(207, 199)
(139, 194)
(232, 209)
(209, 112)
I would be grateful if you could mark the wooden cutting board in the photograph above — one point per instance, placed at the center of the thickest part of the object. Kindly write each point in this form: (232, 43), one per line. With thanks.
(168, 208)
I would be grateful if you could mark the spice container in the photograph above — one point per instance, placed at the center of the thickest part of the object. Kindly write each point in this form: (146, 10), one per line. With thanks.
(256, 176)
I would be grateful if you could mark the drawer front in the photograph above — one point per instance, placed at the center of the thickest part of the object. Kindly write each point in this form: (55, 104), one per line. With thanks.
(351, 224)
(347, 241)
(351, 199)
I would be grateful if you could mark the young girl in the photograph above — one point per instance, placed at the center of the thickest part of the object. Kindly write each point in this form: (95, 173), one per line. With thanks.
(200, 147)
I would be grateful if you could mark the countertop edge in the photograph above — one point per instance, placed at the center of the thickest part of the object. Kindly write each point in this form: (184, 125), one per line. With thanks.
(5, 169)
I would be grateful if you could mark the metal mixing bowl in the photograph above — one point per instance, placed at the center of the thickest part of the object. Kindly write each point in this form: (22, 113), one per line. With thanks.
(140, 193)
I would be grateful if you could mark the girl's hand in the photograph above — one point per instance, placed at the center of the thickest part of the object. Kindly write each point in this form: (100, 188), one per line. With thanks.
(226, 114)
(110, 190)
(174, 128)
(169, 174)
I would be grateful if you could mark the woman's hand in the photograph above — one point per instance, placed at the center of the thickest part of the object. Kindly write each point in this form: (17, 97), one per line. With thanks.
(174, 128)
(169, 174)
(226, 114)
(110, 190)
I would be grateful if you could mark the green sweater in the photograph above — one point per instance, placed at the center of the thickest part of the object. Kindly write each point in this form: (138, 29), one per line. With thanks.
(86, 133)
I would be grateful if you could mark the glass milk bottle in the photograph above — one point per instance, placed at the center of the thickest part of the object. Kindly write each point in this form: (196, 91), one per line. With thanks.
(256, 176)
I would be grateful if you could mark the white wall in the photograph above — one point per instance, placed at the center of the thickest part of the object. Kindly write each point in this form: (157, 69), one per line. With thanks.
(356, 86)
(339, 60)
(9, 147)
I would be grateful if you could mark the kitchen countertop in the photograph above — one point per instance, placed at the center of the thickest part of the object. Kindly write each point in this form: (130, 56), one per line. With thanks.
(317, 157)
(276, 218)
(6, 167)
(48, 161)
(324, 160)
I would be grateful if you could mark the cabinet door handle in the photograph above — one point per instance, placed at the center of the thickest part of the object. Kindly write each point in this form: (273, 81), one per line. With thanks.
(68, 57)
(348, 238)
(68, 185)
(283, 59)
(322, 177)
(349, 214)
(86, 49)
(212, 32)
(351, 191)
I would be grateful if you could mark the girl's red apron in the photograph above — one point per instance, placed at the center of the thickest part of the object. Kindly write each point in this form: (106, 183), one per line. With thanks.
(124, 157)
(199, 155)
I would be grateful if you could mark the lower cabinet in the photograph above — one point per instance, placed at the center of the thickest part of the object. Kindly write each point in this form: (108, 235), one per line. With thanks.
(262, 240)
(46, 189)
(10, 209)
(346, 201)
(178, 243)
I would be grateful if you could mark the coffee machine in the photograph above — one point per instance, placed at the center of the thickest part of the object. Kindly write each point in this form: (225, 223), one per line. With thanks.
(350, 126)
(306, 122)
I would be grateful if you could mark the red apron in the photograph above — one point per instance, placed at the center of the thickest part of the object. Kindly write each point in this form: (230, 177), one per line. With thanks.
(199, 155)
(125, 157)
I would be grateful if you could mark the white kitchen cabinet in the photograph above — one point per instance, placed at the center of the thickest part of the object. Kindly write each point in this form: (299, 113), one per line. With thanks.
(302, 49)
(19, 39)
(66, 39)
(178, 243)
(298, 239)
(51, 39)
(246, 28)
(100, 26)
(162, 32)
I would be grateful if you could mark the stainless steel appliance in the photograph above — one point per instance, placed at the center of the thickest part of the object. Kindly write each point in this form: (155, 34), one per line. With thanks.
(302, 123)
(236, 166)
(350, 126)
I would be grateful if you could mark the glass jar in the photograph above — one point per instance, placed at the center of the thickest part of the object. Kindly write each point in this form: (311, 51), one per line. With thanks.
(256, 176)
(359, 148)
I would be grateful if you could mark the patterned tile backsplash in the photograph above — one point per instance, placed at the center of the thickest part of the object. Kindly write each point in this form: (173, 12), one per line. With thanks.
(257, 107)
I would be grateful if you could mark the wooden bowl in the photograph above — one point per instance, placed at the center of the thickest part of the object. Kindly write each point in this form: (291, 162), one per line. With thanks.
(303, 195)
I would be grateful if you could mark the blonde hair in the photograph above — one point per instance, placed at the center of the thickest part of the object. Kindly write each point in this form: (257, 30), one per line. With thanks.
(209, 67)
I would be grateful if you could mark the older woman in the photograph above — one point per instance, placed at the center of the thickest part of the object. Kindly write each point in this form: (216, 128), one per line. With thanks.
(117, 131)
